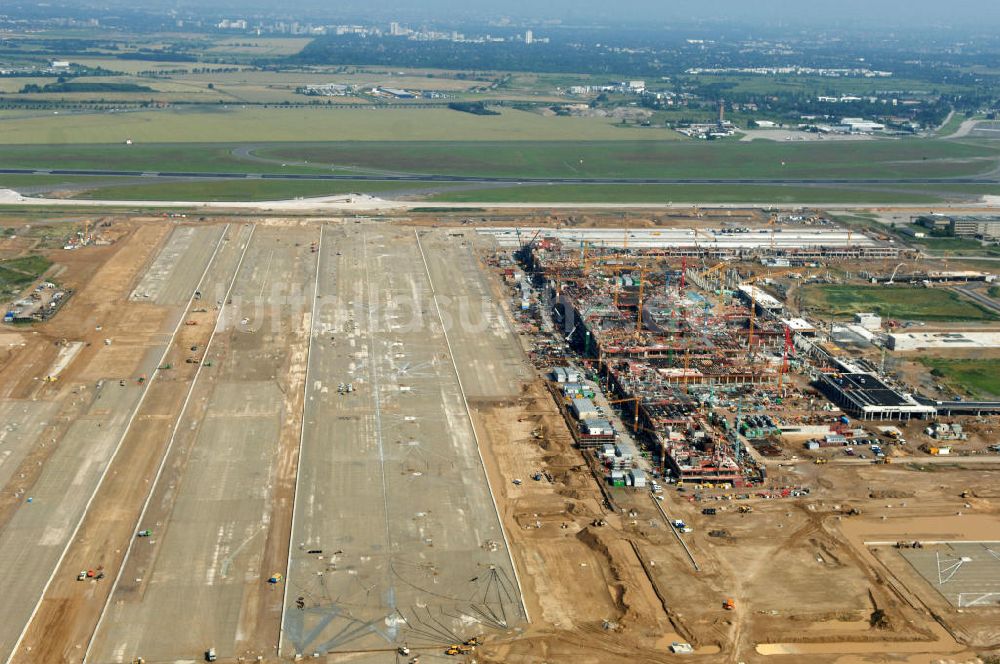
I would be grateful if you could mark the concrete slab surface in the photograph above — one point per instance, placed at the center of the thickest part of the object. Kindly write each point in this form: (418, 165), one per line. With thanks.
(395, 538)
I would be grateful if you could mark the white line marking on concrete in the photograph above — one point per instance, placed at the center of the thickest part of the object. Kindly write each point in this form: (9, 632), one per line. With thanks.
(118, 446)
(472, 424)
(373, 365)
(302, 436)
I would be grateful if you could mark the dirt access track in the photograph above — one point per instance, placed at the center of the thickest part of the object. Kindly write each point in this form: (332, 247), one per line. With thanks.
(342, 406)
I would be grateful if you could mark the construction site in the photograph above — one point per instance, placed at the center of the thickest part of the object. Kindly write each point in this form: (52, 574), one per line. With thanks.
(510, 439)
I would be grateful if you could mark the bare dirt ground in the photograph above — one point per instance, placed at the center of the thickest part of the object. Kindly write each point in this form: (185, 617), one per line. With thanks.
(802, 577)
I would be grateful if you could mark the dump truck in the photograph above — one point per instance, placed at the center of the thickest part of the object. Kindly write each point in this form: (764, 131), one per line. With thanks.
(275, 578)
(729, 604)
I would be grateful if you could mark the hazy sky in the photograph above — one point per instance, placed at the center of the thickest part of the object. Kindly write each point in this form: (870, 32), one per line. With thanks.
(982, 13)
(900, 12)
(813, 11)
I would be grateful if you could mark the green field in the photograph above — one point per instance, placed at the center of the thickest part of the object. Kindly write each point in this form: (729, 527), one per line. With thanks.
(22, 181)
(898, 302)
(521, 158)
(236, 124)
(241, 190)
(17, 273)
(679, 159)
(952, 246)
(977, 377)
(204, 158)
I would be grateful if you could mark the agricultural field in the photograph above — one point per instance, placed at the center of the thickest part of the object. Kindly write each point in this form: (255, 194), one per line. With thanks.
(978, 378)
(259, 124)
(230, 76)
(258, 46)
(899, 302)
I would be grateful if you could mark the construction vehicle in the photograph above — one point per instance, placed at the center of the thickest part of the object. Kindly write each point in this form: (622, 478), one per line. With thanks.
(403, 650)
(275, 578)
(821, 461)
(452, 651)
(745, 509)
(729, 604)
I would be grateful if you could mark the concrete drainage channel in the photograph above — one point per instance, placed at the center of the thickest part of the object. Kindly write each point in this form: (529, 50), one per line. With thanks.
(677, 534)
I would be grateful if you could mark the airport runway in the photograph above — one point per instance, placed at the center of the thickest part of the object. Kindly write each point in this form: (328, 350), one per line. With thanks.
(395, 539)
(199, 580)
(419, 177)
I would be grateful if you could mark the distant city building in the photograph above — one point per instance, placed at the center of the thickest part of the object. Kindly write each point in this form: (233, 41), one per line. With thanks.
(529, 36)
(237, 24)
